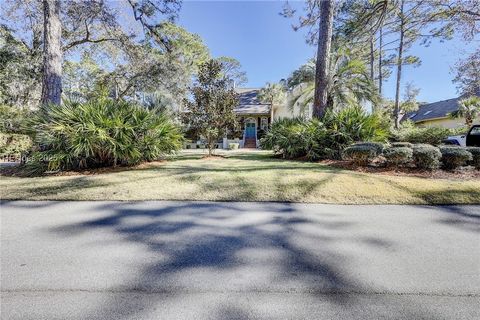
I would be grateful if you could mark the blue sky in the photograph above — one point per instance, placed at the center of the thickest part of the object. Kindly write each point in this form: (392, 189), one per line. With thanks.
(263, 41)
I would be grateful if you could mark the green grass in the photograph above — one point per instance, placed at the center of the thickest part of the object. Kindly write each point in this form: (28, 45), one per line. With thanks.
(242, 177)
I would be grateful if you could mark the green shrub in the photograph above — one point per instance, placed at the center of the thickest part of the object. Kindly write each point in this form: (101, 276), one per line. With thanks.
(359, 154)
(233, 146)
(14, 145)
(398, 155)
(377, 146)
(13, 119)
(353, 124)
(475, 151)
(426, 156)
(101, 133)
(401, 145)
(294, 138)
(454, 157)
(314, 139)
(430, 135)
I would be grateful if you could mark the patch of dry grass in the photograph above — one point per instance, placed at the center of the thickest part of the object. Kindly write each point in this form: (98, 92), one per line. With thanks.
(243, 176)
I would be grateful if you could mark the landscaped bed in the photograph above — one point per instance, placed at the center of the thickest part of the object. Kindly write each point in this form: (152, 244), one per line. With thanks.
(243, 176)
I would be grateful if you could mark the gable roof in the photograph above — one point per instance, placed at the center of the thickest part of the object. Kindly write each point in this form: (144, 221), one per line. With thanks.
(249, 103)
(435, 110)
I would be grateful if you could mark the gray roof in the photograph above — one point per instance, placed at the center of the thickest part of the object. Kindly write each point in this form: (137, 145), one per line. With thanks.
(249, 103)
(435, 110)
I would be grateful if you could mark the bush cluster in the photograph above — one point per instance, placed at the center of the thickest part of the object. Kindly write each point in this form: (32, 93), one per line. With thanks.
(360, 154)
(429, 135)
(314, 139)
(398, 155)
(454, 157)
(426, 156)
(401, 145)
(102, 132)
(233, 146)
(475, 152)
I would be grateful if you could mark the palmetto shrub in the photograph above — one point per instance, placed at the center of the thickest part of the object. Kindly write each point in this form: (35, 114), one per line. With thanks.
(295, 138)
(101, 133)
(398, 155)
(426, 156)
(353, 124)
(454, 157)
(475, 151)
(315, 139)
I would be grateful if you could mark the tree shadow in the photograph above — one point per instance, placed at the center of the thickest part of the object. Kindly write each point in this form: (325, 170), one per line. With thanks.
(212, 247)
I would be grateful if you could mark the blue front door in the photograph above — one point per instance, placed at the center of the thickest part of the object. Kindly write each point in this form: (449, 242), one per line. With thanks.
(250, 130)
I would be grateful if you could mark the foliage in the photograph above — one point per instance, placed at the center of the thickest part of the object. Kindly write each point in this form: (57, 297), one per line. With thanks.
(351, 125)
(13, 145)
(401, 145)
(467, 74)
(426, 156)
(211, 111)
(408, 132)
(294, 138)
(349, 82)
(469, 109)
(20, 70)
(232, 69)
(454, 157)
(101, 133)
(475, 151)
(377, 146)
(360, 154)
(13, 119)
(272, 93)
(398, 155)
(313, 139)
(233, 146)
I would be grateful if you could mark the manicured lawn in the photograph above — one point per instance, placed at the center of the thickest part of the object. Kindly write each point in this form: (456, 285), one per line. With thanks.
(251, 176)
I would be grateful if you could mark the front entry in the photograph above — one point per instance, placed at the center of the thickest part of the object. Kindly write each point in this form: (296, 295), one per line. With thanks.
(250, 130)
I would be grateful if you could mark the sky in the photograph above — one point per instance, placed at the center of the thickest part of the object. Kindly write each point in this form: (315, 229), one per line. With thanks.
(269, 49)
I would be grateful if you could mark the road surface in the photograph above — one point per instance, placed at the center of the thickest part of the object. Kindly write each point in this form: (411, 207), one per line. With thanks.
(201, 260)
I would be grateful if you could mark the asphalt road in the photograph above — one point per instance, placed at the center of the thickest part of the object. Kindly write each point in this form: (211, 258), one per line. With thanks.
(190, 260)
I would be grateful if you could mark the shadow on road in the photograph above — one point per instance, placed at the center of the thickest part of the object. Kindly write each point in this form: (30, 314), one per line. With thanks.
(234, 247)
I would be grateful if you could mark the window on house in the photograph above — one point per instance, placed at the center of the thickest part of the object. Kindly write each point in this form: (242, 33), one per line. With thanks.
(264, 124)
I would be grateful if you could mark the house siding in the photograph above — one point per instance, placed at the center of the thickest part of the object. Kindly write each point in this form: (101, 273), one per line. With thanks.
(446, 123)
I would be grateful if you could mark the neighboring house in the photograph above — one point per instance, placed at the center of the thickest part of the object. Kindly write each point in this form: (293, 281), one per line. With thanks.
(437, 114)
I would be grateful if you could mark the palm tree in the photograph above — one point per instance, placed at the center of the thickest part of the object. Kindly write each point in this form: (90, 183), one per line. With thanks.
(348, 82)
(469, 109)
(274, 94)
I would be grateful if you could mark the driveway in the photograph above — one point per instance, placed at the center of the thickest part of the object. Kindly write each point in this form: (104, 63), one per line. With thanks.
(201, 260)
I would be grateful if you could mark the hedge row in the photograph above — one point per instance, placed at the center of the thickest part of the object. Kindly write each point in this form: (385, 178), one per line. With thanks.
(423, 156)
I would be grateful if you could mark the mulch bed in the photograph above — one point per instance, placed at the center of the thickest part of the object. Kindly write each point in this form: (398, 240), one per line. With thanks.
(463, 173)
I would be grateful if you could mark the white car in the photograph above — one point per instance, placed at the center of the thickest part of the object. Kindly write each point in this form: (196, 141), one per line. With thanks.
(471, 139)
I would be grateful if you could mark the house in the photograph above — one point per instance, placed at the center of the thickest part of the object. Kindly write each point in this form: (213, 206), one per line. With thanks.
(254, 117)
(438, 114)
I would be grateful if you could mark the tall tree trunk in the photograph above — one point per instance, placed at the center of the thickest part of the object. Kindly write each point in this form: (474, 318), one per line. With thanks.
(380, 66)
(372, 63)
(52, 53)
(399, 66)
(323, 57)
(372, 58)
